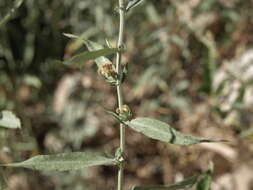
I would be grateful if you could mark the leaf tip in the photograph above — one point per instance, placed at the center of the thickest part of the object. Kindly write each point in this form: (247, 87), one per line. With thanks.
(68, 35)
(214, 141)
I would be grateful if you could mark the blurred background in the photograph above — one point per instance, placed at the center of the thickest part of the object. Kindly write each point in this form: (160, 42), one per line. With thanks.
(190, 65)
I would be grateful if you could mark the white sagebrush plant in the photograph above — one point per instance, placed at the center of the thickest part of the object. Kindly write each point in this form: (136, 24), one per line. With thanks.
(113, 73)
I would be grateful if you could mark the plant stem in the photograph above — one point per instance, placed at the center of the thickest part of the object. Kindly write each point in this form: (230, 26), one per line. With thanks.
(119, 90)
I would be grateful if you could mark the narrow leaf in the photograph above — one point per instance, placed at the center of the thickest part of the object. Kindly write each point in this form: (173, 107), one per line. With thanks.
(92, 46)
(132, 3)
(71, 36)
(65, 161)
(105, 67)
(159, 130)
(9, 120)
(115, 116)
(187, 183)
(3, 184)
(102, 61)
(205, 182)
(80, 59)
(8, 16)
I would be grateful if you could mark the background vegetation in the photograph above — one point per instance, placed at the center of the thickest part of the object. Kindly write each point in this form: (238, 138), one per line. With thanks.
(190, 64)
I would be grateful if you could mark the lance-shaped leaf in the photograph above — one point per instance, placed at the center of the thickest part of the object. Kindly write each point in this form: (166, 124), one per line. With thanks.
(159, 130)
(9, 120)
(92, 46)
(65, 161)
(116, 116)
(205, 182)
(8, 16)
(3, 184)
(105, 67)
(132, 4)
(80, 59)
(187, 183)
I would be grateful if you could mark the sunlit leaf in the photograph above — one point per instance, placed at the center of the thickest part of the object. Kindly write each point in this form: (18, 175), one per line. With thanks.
(9, 120)
(65, 161)
(71, 36)
(187, 183)
(159, 130)
(32, 80)
(80, 59)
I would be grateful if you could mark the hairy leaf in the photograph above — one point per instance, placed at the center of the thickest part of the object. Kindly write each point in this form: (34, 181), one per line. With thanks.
(159, 130)
(187, 183)
(9, 120)
(65, 161)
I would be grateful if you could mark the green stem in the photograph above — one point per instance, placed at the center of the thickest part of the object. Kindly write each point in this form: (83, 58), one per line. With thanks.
(119, 90)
